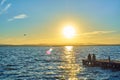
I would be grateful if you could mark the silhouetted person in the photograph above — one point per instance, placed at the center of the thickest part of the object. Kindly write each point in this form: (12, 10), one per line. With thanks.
(93, 58)
(89, 57)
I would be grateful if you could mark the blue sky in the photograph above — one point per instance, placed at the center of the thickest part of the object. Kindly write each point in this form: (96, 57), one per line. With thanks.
(40, 18)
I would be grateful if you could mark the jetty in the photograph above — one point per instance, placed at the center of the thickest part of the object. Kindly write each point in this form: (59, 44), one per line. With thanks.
(103, 63)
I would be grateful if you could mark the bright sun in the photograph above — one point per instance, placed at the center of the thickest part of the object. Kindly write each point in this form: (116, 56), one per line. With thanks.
(69, 31)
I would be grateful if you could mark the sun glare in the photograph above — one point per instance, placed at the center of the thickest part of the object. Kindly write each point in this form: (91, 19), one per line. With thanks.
(69, 31)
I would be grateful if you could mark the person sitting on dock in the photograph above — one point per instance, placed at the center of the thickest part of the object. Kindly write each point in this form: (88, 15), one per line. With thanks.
(93, 58)
(89, 57)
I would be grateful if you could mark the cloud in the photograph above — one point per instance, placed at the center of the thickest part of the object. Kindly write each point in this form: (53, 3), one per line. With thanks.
(6, 8)
(95, 33)
(20, 16)
(2, 2)
(98, 32)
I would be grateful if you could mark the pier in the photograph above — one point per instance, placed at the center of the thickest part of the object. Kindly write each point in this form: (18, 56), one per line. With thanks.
(103, 63)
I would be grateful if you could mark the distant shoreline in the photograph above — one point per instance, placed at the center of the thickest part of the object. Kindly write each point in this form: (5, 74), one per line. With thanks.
(55, 45)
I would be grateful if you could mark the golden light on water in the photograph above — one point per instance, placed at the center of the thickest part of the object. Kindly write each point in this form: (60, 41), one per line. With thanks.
(71, 67)
(68, 48)
(69, 31)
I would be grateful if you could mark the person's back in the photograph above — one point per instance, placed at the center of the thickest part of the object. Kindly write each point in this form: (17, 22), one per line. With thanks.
(94, 57)
(89, 57)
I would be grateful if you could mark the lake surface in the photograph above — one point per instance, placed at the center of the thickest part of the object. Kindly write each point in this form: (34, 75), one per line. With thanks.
(63, 63)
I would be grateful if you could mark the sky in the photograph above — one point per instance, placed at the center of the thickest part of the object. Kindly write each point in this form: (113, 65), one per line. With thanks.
(42, 21)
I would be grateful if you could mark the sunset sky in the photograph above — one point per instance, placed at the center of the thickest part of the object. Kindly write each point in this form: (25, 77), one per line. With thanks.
(43, 21)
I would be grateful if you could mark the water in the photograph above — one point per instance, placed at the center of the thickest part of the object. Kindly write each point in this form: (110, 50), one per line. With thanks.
(64, 63)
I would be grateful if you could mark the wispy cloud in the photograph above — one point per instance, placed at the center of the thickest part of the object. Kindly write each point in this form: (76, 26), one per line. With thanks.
(5, 8)
(20, 16)
(98, 32)
(95, 33)
(2, 2)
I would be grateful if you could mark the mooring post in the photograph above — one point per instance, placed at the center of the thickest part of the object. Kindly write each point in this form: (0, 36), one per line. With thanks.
(109, 65)
(109, 59)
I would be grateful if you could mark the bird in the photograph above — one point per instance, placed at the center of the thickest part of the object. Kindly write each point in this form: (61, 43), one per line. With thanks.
(25, 34)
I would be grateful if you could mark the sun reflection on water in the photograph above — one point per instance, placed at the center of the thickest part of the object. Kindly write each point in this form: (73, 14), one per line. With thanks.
(68, 48)
(70, 67)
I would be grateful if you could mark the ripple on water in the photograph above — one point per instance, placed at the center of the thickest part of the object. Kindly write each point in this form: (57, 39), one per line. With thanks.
(32, 63)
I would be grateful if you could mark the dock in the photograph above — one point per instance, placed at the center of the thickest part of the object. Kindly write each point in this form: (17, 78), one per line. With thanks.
(103, 63)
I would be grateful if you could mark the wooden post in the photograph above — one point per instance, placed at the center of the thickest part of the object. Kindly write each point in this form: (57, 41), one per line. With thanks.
(109, 59)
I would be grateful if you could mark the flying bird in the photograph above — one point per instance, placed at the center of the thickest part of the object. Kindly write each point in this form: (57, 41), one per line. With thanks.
(25, 34)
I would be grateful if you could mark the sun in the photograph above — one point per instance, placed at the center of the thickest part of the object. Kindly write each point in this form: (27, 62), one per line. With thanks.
(69, 31)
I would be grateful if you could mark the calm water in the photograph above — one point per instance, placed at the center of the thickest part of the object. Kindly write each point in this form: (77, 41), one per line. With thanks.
(64, 63)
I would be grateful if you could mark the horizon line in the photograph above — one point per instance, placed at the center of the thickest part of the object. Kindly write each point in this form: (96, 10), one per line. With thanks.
(59, 44)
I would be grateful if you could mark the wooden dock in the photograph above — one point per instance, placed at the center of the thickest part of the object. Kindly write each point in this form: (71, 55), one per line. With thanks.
(103, 63)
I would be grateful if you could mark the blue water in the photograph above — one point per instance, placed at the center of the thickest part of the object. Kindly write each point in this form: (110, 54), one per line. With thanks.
(64, 63)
